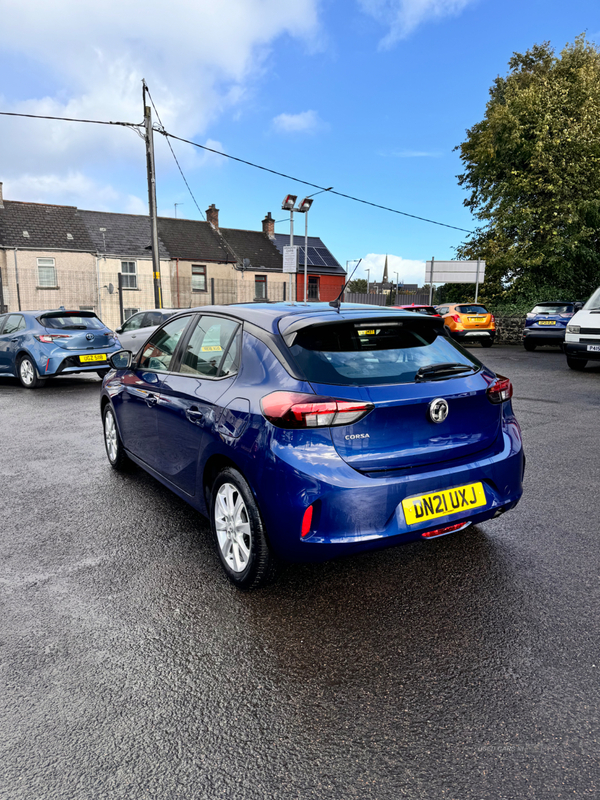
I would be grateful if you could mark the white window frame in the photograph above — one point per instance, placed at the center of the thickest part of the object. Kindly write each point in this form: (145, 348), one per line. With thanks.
(129, 278)
(47, 264)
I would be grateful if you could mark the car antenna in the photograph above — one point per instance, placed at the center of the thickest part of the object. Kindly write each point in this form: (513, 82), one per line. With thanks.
(338, 302)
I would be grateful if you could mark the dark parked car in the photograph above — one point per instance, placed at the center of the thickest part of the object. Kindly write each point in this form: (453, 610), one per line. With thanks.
(36, 345)
(304, 432)
(547, 323)
(420, 309)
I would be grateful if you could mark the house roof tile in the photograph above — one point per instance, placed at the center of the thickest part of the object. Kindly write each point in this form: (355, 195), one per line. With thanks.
(47, 227)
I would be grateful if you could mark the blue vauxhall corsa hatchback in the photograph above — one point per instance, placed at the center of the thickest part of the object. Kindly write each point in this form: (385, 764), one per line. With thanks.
(306, 432)
(36, 345)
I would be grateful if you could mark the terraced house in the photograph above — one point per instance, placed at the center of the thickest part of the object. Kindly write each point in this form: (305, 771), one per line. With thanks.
(52, 256)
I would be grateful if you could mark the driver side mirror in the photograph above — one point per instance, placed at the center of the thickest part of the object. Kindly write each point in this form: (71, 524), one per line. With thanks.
(121, 359)
(119, 330)
(578, 306)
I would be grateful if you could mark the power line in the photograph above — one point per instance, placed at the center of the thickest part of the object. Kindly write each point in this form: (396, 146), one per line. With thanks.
(168, 136)
(313, 185)
(173, 154)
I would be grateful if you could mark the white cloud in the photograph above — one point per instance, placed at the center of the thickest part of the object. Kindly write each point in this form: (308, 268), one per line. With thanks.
(304, 122)
(199, 58)
(403, 16)
(409, 270)
(72, 189)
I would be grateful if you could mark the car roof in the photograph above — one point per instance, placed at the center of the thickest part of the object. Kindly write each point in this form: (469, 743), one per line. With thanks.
(276, 317)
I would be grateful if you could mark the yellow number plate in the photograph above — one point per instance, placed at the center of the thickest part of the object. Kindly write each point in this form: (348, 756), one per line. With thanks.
(439, 504)
(547, 322)
(476, 319)
(97, 357)
(366, 333)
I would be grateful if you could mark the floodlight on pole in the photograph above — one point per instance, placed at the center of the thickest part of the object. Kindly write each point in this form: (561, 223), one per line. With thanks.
(303, 208)
(368, 271)
(289, 201)
(397, 286)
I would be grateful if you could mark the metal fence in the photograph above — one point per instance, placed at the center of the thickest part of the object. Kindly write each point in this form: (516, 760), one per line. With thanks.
(397, 299)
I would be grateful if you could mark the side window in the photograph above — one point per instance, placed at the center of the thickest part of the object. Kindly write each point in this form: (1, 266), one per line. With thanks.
(133, 323)
(212, 351)
(158, 352)
(443, 310)
(152, 318)
(2, 320)
(14, 323)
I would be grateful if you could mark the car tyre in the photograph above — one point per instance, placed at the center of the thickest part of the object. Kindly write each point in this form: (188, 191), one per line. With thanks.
(487, 342)
(101, 373)
(28, 374)
(117, 457)
(529, 346)
(577, 364)
(238, 532)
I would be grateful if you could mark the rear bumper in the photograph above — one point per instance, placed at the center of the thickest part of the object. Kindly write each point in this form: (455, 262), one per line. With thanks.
(544, 336)
(353, 512)
(473, 335)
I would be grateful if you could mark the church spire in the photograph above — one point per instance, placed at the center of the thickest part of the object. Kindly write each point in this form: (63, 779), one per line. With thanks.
(385, 271)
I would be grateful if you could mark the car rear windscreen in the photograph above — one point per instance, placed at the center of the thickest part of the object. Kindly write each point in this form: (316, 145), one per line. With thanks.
(553, 308)
(75, 320)
(372, 353)
(472, 309)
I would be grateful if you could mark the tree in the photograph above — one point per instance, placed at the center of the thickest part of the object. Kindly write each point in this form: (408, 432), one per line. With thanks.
(358, 286)
(532, 167)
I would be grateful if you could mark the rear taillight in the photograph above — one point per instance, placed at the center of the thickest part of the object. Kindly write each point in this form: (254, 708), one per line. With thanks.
(296, 410)
(456, 318)
(48, 338)
(443, 531)
(500, 391)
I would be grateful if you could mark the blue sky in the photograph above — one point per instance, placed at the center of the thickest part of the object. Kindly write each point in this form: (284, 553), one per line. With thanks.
(367, 96)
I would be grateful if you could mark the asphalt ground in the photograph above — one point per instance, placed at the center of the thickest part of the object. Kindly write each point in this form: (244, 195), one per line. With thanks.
(466, 667)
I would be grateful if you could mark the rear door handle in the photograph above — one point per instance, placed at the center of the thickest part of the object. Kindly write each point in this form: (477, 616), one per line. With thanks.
(193, 414)
(151, 400)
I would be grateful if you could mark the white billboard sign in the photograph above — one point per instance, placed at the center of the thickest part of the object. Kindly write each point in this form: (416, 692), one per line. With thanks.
(290, 258)
(455, 271)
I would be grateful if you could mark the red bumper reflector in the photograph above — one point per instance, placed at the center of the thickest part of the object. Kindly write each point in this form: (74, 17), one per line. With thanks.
(442, 531)
(306, 522)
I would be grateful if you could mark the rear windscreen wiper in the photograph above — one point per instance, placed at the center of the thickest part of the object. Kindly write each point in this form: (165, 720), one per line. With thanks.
(440, 370)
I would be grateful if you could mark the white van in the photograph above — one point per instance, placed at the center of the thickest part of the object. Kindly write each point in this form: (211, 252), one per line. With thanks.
(582, 338)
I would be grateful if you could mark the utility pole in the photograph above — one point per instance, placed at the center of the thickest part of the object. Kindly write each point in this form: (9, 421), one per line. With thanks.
(152, 198)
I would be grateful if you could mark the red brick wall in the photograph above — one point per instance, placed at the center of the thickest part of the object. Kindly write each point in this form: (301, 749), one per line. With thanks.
(329, 286)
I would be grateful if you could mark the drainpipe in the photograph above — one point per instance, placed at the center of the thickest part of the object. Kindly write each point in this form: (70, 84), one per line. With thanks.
(177, 268)
(98, 284)
(17, 280)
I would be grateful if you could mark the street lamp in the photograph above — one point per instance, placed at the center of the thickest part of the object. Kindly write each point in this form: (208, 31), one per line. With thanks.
(303, 208)
(288, 205)
(368, 271)
(397, 285)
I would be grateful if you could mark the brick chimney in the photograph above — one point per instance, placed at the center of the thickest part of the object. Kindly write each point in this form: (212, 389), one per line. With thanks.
(268, 224)
(1, 200)
(212, 216)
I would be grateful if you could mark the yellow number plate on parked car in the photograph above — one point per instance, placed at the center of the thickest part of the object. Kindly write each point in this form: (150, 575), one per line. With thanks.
(547, 322)
(476, 319)
(97, 357)
(439, 504)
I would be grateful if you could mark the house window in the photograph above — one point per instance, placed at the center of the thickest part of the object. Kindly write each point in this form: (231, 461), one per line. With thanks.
(313, 287)
(198, 278)
(129, 312)
(46, 273)
(129, 272)
(260, 287)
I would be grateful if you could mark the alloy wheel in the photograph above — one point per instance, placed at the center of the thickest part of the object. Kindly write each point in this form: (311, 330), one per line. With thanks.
(26, 371)
(110, 436)
(232, 525)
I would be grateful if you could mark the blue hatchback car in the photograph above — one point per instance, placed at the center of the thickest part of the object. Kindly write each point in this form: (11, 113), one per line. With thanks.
(306, 432)
(546, 323)
(36, 345)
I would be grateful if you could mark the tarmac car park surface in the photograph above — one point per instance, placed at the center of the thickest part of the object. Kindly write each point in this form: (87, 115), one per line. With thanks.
(466, 667)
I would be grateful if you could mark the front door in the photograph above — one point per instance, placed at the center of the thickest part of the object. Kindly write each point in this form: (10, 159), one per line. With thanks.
(14, 327)
(188, 408)
(136, 405)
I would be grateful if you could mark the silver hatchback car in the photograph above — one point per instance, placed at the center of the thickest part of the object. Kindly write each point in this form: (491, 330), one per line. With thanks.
(135, 330)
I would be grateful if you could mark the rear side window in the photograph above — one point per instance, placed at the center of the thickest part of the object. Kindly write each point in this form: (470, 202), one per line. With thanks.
(472, 309)
(78, 320)
(212, 351)
(372, 353)
(14, 323)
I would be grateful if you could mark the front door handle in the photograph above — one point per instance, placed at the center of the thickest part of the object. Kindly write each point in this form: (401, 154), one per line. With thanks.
(151, 400)
(193, 414)
(15, 339)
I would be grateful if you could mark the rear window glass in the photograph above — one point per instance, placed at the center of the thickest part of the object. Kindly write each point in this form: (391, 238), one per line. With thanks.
(78, 321)
(555, 308)
(472, 309)
(372, 353)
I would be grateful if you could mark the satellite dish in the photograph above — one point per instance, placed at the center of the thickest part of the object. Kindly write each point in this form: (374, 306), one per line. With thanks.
(110, 288)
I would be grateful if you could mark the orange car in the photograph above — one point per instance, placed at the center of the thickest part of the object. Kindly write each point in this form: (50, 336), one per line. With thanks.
(469, 322)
